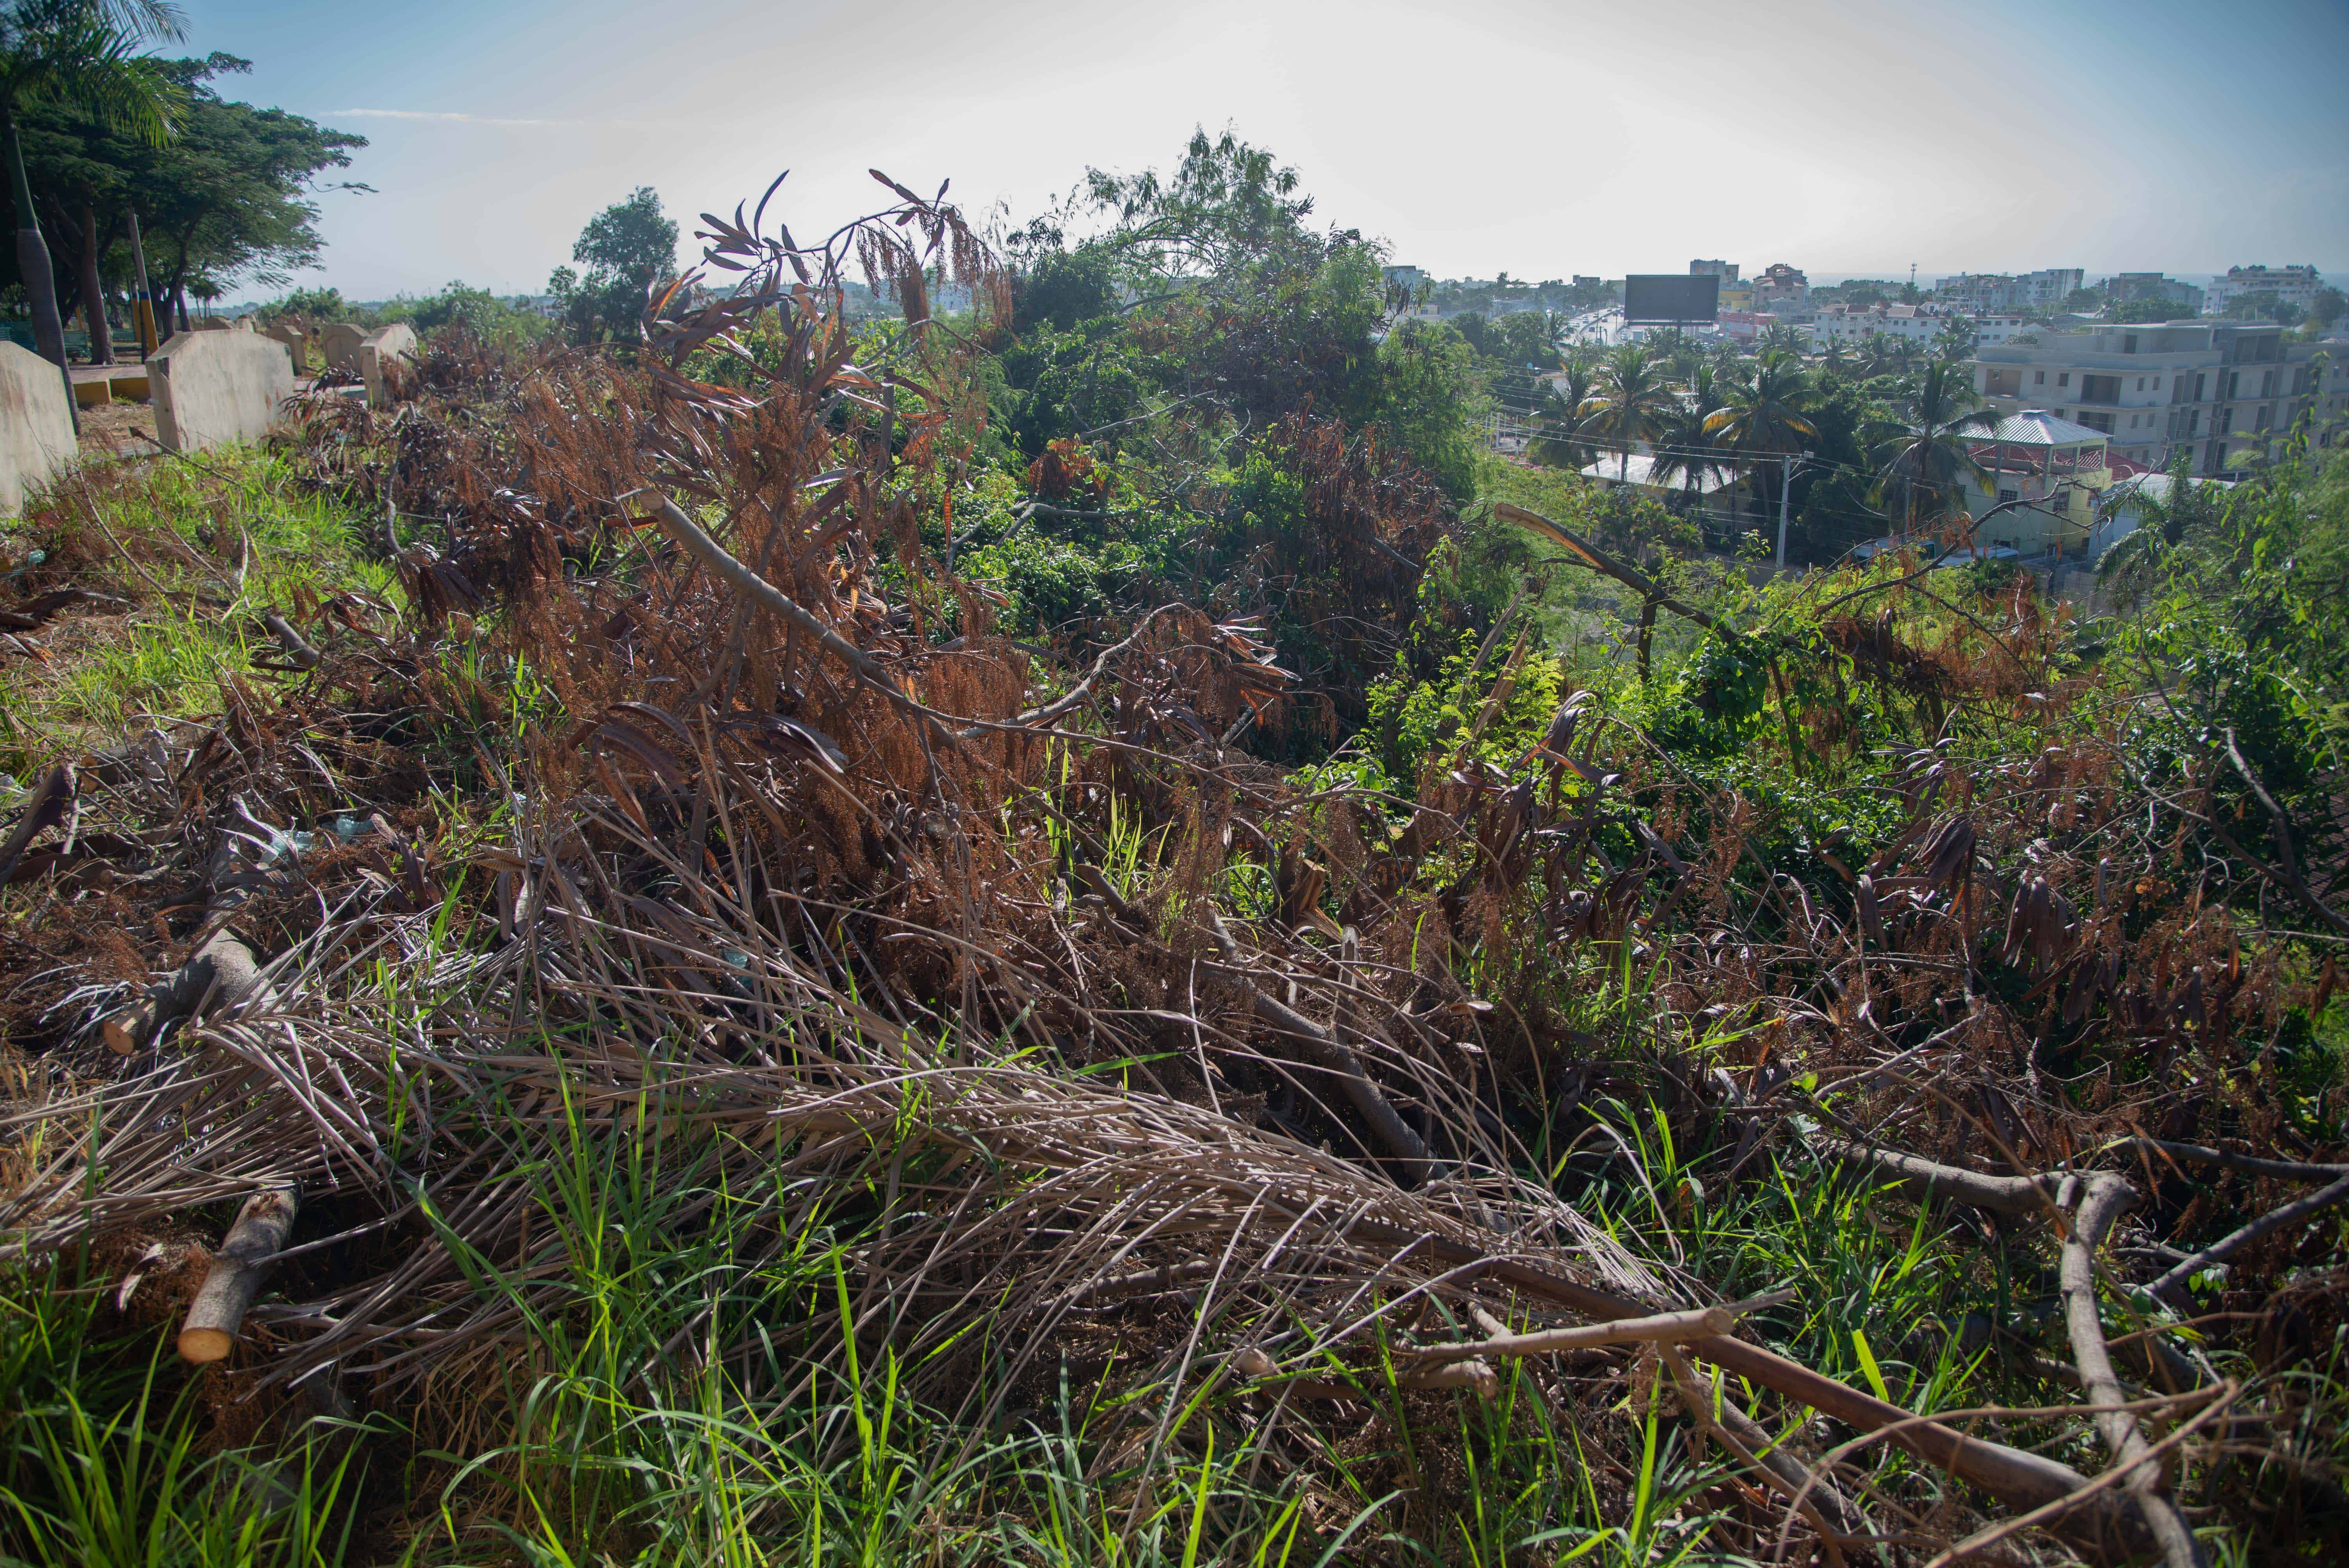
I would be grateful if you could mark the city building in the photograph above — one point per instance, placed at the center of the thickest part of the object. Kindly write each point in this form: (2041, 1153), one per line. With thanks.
(1405, 277)
(1856, 325)
(1725, 270)
(2056, 468)
(2215, 390)
(1780, 285)
(2044, 289)
(2131, 288)
(2290, 285)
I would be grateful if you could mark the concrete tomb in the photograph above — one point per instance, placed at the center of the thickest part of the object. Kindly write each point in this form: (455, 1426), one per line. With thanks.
(396, 341)
(339, 342)
(297, 342)
(37, 430)
(211, 387)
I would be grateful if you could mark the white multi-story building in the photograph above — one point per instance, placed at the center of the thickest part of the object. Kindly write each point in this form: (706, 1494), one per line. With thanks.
(1998, 327)
(1843, 323)
(2044, 290)
(2290, 285)
(2217, 390)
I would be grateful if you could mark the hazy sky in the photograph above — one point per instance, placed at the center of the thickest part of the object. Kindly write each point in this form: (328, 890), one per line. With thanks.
(1480, 135)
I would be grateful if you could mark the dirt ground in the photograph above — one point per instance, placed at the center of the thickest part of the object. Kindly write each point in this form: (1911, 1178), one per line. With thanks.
(117, 428)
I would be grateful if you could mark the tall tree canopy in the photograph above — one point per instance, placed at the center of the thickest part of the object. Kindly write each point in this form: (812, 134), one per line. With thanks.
(228, 200)
(626, 248)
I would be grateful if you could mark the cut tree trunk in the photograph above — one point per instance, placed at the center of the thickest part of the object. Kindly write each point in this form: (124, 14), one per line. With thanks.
(238, 1268)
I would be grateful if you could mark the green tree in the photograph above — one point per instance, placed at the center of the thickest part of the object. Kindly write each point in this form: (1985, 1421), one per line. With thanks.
(626, 248)
(82, 52)
(2325, 307)
(1631, 400)
(228, 200)
(1685, 447)
(1764, 417)
(1924, 462)
(1956, 339)
(1564, 439)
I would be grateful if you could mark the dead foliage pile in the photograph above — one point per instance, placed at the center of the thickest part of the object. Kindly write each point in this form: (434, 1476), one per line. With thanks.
(656, 814)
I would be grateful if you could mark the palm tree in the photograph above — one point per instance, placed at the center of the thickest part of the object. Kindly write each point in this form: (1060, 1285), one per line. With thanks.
(84, 52)
(1686, 448)
(1839, 359)
(1927, 459)
(1763, 417)
(1631, 399)
(1565, 434)
(1779, 339)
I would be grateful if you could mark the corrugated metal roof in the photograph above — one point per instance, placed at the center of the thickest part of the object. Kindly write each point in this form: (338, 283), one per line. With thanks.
(2038, 428)
(1642, 469)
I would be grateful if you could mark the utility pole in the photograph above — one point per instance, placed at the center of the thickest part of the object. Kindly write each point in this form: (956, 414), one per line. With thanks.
(1785, 503)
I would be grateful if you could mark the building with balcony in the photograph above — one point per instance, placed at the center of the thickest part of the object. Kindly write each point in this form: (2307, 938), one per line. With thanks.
(1780, 286)
(2215, 390)
(2047, 472)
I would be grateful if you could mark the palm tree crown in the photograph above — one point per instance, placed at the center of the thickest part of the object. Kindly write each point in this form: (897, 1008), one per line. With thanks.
(1685, 448)
(1924, 462)
(1631, 400)
(1762, 414)
(84, 52)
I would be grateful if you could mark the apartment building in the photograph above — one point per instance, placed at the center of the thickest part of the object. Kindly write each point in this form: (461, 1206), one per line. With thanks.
(1725, 270)
(2215, 390)
(1779, 286)
(2130, 288)
(1847, 324)
(2290, 285)
(2046, 289)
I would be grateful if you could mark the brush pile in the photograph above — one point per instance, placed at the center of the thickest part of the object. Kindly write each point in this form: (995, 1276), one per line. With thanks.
(691, 814)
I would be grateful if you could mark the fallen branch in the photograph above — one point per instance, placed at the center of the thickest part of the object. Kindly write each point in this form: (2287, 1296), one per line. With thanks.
(1814, 1499)
(1672, 1328)
(2171, 1286)
(2106, 1199)
(1925, 1180)
(298, 653)
(222, 970)
(49, 799)
(2017, 1477)
(1329, 1052)
(2249, 1164)
(238, 1268)
(1989, 1536)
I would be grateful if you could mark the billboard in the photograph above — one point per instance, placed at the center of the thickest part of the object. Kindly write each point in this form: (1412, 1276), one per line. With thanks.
(1651, 298)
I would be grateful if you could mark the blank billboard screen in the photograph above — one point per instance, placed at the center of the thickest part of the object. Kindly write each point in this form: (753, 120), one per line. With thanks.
(1671, 297)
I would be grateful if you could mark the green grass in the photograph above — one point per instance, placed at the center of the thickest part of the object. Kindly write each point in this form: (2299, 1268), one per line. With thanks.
(219, 541)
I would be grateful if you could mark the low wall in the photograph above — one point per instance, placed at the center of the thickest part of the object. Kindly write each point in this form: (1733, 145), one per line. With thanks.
(213, 388)
(396, 341)
(37, 429)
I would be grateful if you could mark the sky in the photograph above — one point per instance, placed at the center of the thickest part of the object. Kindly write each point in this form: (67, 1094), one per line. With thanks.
(1544, 140)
